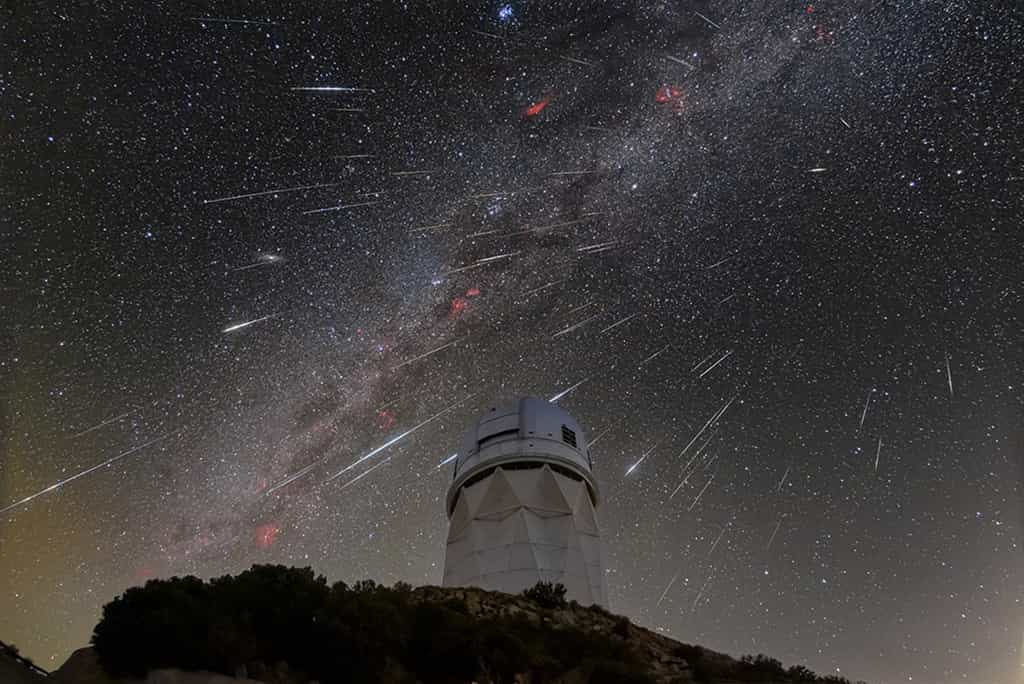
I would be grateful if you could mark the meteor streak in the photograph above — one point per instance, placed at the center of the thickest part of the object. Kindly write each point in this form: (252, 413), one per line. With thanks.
(712, 366)
(334, 89)
(718, 263)
(577, 325)
(598, 247)
(481, 262)
(564, 392)
(108, 421)
(264, 260)
(233, 21)
(447, 460)
(340, 207)
(542, 287)
(654, 355)
(949, 376)
(577, 61)
(706, 485)
(426, 354)
(778, 487)
(360, 476)
(620, 322)
(490, 35)
(711, 420)
(708, 20)
(604, 432)
(665, 593)
(395, 440)
(680, 485)
(701, 593)
(774, 532)
(580, 307)
(496, 257)
(643, 457)
(276, 191)
(864, 413)
(57, 485)
(703, 361)
(414, 173)
(239, 326)
(720, 535)
(297, 475)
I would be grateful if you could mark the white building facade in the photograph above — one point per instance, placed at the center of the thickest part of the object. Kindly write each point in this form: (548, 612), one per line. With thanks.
(522, 505)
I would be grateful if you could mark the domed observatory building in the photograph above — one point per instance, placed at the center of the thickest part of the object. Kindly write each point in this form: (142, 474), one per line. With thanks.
(522, 505)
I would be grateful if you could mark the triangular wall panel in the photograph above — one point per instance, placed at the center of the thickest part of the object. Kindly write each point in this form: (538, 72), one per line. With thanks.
(500, 498)
(516, 527)
(460, 520)
(583, 510)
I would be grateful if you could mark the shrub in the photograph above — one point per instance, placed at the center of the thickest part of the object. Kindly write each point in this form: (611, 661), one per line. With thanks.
(702, 669)
(799, 673)
(547, 595)
(759, 668)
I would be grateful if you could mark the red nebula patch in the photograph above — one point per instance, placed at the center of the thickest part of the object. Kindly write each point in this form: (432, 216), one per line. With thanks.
(146, 572)
(473, 292)
(261, 483)
(385, 419)
(459, 304)
(266, 535)
(537, 107)
(671, 96)
(810, 9)
(668, 93)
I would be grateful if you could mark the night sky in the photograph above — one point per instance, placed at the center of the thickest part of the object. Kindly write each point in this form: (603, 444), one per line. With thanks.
(262, 267)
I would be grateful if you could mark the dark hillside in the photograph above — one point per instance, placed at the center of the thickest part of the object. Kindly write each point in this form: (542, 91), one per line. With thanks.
(271, 619)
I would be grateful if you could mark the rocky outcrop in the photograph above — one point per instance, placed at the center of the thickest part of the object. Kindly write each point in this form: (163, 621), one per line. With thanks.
(14, 669)
(660, 652)
(13, 672)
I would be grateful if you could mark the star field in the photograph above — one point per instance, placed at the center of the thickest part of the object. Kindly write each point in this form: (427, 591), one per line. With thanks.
(264, 265)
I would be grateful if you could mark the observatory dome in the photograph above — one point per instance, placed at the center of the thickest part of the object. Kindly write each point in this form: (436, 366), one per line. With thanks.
(522, 504)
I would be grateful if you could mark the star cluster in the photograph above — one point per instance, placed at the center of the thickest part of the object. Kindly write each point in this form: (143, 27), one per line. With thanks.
(264, 266)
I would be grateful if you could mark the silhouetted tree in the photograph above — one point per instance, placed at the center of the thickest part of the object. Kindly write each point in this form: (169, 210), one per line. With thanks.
(799, 673)
(547, 595)
(338, 633)
(163, 624)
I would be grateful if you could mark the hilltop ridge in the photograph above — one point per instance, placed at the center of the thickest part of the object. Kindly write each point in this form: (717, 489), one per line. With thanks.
(279, 625)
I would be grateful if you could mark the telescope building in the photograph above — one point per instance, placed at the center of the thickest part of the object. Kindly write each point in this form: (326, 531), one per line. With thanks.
(522, 505)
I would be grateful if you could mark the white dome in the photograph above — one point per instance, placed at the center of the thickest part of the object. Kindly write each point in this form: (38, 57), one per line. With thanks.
(528, 430)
